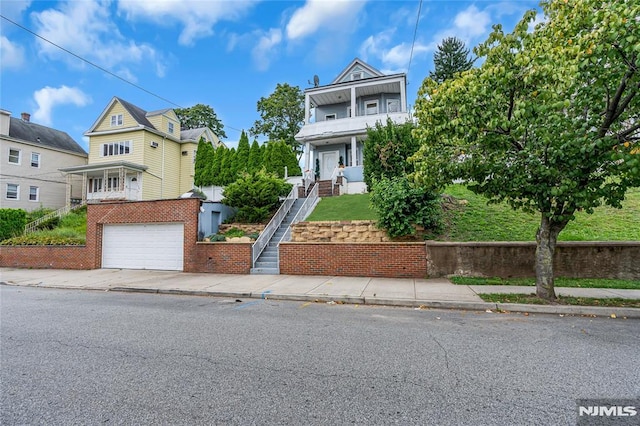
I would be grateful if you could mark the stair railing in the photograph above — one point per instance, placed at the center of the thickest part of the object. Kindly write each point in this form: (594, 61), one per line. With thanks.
(265, 236)
(33, 226)
(304, 212)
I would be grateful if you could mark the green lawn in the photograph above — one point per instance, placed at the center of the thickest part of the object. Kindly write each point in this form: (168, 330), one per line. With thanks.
(475, 220)
(532, 299)
(345, 207)
(559, 282)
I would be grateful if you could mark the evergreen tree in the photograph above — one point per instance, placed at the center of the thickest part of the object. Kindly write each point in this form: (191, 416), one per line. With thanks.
(255, 157)
(204, 155)
(267, 153)
(242, 155)
(216, 166)
(451, 58)
(227, 167)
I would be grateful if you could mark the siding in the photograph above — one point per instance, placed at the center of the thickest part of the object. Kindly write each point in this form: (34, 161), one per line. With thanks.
(137, 151)
(187, 168)
(116, 108)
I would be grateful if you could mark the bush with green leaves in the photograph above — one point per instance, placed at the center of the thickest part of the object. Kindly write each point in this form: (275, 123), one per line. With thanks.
(386, 151)
(402, 206)
(256, 196)
(12, 222)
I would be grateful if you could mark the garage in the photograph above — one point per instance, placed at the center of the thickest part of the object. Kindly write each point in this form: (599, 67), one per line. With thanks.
(143, 246)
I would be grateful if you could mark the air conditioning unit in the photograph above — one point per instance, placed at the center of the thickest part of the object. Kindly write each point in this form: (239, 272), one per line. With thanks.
(153, 144)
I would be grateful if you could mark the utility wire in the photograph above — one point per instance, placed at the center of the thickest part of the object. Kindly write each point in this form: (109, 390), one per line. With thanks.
(415, 33)
(97, 66)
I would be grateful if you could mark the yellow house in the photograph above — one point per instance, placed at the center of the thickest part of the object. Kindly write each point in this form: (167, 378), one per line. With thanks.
(138, 155)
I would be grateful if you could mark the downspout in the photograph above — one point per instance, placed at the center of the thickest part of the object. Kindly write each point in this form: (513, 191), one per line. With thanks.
(164, 138)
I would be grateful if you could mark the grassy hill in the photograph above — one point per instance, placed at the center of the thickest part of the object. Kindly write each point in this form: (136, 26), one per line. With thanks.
(475, 220)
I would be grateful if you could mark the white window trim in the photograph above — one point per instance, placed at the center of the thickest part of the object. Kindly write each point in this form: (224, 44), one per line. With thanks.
(128, 144)
(366, 108)
(6, 192)
(170, 127)
(357, 75)
(390, 101)
(94, 185)
(19, 156)
(117, 120)
(37, 193)
(38, 162)
(329, 117)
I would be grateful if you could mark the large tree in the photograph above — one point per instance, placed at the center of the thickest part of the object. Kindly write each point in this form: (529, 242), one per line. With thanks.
(549, 123)
(281, 115)
(204, 159)
(451, 57)
(199, 116)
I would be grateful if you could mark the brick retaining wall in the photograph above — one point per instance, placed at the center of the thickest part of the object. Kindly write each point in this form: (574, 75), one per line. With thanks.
(46, 257)
(390, 260)
(221, 258)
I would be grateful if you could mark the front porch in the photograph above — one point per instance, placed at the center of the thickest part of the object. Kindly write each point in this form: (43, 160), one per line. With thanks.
(121, 181)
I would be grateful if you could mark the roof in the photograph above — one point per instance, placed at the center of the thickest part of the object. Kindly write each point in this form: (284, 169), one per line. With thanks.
(42, 135)
(137, 113)
(353, 64)
(192, 134)
(158, 112)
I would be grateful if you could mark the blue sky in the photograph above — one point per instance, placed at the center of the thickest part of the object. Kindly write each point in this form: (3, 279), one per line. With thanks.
(226, 54)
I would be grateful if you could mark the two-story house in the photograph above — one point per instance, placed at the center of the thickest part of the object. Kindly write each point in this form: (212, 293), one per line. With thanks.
(337, 116)
(138, 155)
(30, 158)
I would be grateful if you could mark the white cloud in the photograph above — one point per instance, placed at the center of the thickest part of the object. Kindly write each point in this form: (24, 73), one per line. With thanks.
(325, 14)
(12, 54)
(472, 22)
(13, 9)
(394, 58)
(197, 17)
(86, 29)
(48, 98)
(263, 52)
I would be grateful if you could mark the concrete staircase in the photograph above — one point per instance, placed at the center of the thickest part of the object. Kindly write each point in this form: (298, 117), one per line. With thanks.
(267, 262)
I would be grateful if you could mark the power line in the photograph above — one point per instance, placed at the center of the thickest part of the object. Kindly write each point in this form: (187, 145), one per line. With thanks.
(98, 66)
(415, 33)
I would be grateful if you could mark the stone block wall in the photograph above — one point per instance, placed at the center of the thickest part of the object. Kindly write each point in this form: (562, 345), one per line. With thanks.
(338, 232)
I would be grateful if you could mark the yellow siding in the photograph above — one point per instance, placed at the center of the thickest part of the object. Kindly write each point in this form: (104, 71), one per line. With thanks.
(187, 168)
(135, 156)
(117, 108)
(161, 123)
(165, 175)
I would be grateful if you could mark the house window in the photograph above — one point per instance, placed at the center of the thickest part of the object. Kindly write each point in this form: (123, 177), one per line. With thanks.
(393, 105)
(116, 120)
(356, 75)
(14, 156)
(95, 185)
(171, 127)
(35, 159)
(371, 107)
(34, 192)
(329, 117)
(12, 191)
(115, 148)
(113, 184)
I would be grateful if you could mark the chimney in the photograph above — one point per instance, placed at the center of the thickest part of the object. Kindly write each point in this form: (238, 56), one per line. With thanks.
(25, 116)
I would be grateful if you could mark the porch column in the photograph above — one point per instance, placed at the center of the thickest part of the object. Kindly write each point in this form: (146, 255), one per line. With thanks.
(354, 154)
(84, 187)
(121, 179)
(307, 156)
(354, 111)
(105, 179)
(307, 109)
(68, 203)
(403, 98)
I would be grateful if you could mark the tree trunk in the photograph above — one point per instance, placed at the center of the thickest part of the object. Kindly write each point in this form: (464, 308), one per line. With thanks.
(546, 239)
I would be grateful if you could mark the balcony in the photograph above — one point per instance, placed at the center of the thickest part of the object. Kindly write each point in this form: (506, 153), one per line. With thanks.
(335, 129)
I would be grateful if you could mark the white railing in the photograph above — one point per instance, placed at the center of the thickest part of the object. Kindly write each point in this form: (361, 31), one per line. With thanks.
(304, 212)
(33, 226)
(334, 177)
(309, 178)
(265, 236)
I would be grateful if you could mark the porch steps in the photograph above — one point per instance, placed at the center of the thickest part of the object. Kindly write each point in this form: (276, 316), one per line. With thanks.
(325, 188)
(267, 262)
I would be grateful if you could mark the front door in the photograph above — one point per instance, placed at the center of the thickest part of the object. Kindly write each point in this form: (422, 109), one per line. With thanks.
(328, 163)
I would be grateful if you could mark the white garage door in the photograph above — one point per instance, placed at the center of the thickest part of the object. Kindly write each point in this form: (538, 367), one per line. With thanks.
(143, 246)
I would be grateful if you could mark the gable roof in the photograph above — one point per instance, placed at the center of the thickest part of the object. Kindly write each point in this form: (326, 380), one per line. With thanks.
(357, 62)
(193, 135)
(43, 135)
(136, 112)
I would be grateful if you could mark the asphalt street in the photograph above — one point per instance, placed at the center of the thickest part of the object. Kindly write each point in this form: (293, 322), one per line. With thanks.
(90, 357)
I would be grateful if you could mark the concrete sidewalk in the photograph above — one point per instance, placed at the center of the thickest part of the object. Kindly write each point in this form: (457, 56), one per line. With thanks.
(425, 293)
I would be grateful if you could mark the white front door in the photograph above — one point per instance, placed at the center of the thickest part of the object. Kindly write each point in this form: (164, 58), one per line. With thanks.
(328, 163)
(132, 188)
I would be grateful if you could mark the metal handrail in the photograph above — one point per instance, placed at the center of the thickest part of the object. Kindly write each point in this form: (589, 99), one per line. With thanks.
(309, 178)
(265, 236)
(33, 226)
(304, 212)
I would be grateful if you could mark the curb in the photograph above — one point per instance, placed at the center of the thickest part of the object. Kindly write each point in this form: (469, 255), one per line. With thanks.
(600, 311)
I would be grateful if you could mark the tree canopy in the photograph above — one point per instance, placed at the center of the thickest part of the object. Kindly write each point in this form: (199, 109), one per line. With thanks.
(281, 115)
(198, 116)
(549, 123)
(450, 58)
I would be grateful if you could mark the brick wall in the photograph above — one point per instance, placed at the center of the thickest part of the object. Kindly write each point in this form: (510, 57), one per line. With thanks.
(222, 258)
(46, 257)
(390, 260)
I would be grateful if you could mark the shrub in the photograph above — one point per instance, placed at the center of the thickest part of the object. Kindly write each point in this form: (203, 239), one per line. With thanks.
(217, 238)
(12, 222)
(255, 195)
(401, 207)
(234, 232)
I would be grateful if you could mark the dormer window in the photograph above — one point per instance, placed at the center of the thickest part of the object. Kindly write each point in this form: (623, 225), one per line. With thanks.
(116, 120)
(171, 127)
(356, 75)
